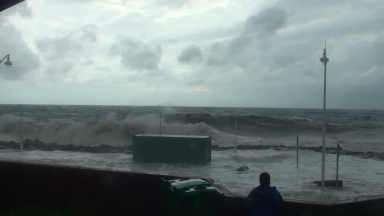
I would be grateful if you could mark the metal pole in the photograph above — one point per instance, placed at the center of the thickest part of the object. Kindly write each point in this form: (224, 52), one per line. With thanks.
(297, 151)
(324, 125)
(21, 137)
(159, 120)
(337, 165)
(324, 60)
(235, 134)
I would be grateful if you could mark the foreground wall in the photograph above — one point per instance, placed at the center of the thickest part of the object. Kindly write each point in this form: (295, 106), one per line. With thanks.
(103, 192)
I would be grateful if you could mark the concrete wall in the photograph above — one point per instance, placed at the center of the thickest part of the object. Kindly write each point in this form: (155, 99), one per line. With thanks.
(103, 192)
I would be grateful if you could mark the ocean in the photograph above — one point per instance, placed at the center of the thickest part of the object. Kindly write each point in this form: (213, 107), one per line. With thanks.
(360, 132)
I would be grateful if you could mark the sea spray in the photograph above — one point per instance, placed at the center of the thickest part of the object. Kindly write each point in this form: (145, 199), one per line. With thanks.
(115, 125)
(107, 130)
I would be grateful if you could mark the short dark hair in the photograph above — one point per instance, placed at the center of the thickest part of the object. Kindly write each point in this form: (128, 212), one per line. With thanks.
(265, 179)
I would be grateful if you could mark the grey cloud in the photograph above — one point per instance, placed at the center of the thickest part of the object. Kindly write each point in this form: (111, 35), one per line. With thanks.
(284, 54)
(217, 55)
(266, 22)
(23, 59)
(63, 52)
(357, 57)
(333, 19)
(191, 54)
(238, 51)
(135, 54)
(365, 91)
(238, 44)
(330, 3)
(70, 1)
(167, 3)
(60, 53)
(22, 9)
(241, 50)
(378, 50)
(103, 69)
(59, 67)
(89, 32)
(195, 82)
(86, 62)
(58, 48)
(131, 22)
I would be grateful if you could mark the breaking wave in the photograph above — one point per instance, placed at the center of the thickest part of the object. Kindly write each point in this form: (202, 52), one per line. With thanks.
(109, 130)
(117, 130)
(250, 125)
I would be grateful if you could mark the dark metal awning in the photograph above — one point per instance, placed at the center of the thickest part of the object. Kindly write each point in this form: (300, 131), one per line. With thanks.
(5, 4)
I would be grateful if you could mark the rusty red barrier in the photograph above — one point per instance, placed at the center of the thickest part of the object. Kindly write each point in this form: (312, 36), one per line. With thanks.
(108, 192)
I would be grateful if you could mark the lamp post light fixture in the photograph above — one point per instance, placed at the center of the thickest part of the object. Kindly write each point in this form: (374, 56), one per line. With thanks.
(324, 61)
(8, 63)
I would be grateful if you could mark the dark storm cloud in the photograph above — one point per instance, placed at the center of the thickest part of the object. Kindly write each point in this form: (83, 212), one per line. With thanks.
(266, 22)
(217, 54)
(378, 50)
(256, 35)
(191, 54)
(283, 66)
(241, 50)
(135, 54)
(23, 59)
(333, 19)
(363, 91)
(356, 81)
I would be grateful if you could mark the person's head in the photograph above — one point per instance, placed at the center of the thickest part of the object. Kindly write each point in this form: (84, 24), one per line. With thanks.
(265, 179)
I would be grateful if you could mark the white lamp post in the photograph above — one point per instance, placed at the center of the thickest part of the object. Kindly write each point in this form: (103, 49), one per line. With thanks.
(324, 60)
(159, 111)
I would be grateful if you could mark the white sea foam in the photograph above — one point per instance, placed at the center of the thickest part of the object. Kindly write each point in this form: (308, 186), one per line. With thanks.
(108, 130)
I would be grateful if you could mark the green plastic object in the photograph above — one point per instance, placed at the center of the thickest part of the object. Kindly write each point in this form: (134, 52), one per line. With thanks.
(191, 197)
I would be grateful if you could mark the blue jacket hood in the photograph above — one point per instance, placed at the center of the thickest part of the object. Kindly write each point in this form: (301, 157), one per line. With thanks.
(264, 201)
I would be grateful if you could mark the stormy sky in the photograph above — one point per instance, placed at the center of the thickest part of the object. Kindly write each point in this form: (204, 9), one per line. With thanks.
(233, 53)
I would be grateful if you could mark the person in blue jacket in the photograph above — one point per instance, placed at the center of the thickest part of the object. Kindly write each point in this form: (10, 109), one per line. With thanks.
(264, 200)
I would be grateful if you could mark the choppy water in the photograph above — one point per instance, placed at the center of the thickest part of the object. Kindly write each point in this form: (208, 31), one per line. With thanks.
(357, 130)
(361, 130)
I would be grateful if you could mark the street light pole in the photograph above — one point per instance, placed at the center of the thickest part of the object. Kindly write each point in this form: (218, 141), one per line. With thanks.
(235, 133)
(22, 129)
(8, 63)
(159, 110)
(324, 60)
